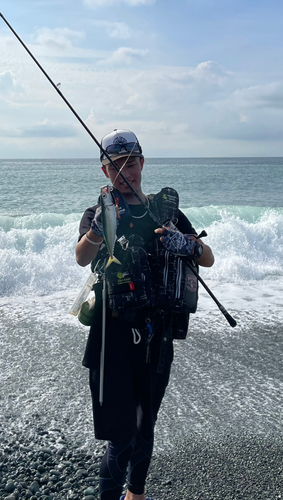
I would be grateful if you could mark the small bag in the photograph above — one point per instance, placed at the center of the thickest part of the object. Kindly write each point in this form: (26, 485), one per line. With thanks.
(129, 284)
(86, 313)
(175, 285)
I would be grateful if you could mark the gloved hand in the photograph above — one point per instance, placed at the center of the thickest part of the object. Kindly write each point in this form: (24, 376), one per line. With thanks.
(181, 244)
(96, 224)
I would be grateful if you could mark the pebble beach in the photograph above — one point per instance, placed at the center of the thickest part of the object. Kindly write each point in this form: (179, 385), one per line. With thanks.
(233, 468)
(218, 435)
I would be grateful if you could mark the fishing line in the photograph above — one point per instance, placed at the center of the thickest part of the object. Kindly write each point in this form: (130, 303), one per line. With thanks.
(124, 163)
(229, 318)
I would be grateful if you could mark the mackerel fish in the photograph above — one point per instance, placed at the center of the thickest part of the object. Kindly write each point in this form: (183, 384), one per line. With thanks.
(109, 222)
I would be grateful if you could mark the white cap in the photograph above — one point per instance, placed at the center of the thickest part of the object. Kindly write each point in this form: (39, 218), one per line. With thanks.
(118, 144)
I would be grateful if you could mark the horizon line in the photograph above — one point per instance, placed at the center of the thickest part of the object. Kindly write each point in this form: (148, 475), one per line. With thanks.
(146, 158)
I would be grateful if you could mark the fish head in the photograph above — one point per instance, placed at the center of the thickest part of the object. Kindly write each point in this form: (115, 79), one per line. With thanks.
(106, 196)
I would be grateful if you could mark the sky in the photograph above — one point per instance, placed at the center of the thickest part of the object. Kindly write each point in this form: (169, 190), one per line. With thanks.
(192, 78)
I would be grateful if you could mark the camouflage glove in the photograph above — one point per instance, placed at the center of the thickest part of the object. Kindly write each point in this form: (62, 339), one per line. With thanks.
(181, 244)
(96, 224)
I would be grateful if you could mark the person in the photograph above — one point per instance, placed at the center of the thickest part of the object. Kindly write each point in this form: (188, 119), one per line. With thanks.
(141, 321)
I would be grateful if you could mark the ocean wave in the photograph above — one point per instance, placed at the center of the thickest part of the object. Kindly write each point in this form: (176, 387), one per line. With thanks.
(248, 244)
(36, 221)
(38, 258)
(38, 251)
(204, 217)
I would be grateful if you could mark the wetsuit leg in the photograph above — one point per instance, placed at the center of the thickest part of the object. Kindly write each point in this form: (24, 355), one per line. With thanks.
(139, 464)
(151, 394)
(113, 469)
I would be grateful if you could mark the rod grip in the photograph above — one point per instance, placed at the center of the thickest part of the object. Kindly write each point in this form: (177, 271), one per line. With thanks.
(232, 322)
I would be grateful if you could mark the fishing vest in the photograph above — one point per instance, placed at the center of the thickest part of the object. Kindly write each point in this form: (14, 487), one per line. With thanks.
(149, 277)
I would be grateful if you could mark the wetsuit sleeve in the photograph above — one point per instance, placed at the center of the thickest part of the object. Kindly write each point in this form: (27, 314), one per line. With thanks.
(86, 221)
(184, 224)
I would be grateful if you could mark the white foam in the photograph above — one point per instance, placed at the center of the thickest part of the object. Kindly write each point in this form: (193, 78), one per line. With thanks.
(39, 260)
(39, 273)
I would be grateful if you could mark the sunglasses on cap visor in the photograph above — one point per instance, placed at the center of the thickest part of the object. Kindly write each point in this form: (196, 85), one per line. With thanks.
(129, 147)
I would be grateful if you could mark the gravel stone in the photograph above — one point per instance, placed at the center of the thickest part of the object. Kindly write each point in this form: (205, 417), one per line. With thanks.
(55, 472)
(34, 487)
(81, 465)
(47, 451)
(91, 479)
(89, 491)
(81, 472)
(95, 467)
(62, 451)
(67, 486)
(10, 486)
(46, 491)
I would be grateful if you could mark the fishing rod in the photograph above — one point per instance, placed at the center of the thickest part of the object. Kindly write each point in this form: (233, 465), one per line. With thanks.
(229, 318)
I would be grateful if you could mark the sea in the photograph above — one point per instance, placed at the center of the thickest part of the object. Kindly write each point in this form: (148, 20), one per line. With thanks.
(224, 381)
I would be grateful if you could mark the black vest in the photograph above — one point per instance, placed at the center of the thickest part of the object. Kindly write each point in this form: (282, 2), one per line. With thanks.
(150, 277)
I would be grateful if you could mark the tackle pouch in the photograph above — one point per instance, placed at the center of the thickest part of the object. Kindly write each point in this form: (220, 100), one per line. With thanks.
(175, 285)
(129, 284)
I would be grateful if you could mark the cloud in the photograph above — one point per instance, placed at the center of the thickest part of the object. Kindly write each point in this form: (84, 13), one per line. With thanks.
(58, 44)
(247, 113)
(59, 38)
(204, 110)
(105, 3)
(210, 71)
(114, 29)
(260, 96)
(208, 103)
(124, 56)
(175, 90)
(9, 85)
(45, 129)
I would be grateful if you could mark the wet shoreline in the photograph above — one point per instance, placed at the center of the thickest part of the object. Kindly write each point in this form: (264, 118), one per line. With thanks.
(218, 434)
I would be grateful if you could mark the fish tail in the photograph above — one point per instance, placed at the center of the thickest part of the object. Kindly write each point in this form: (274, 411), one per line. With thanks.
(112, 259)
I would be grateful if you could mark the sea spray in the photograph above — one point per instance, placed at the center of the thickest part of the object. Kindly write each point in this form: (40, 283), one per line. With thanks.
(247, 242)
(38, 258)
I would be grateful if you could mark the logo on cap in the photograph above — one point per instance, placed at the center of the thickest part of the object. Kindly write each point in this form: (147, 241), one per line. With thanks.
(120, 140)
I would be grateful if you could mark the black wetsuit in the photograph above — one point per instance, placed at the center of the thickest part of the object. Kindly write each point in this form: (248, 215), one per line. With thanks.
(133, 387)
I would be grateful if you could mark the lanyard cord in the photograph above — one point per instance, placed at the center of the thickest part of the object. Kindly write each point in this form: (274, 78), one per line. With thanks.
(124, 163)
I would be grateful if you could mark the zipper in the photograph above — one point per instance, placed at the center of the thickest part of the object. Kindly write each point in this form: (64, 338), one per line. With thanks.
(178, 278)
(149, 338)
(165, 270)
